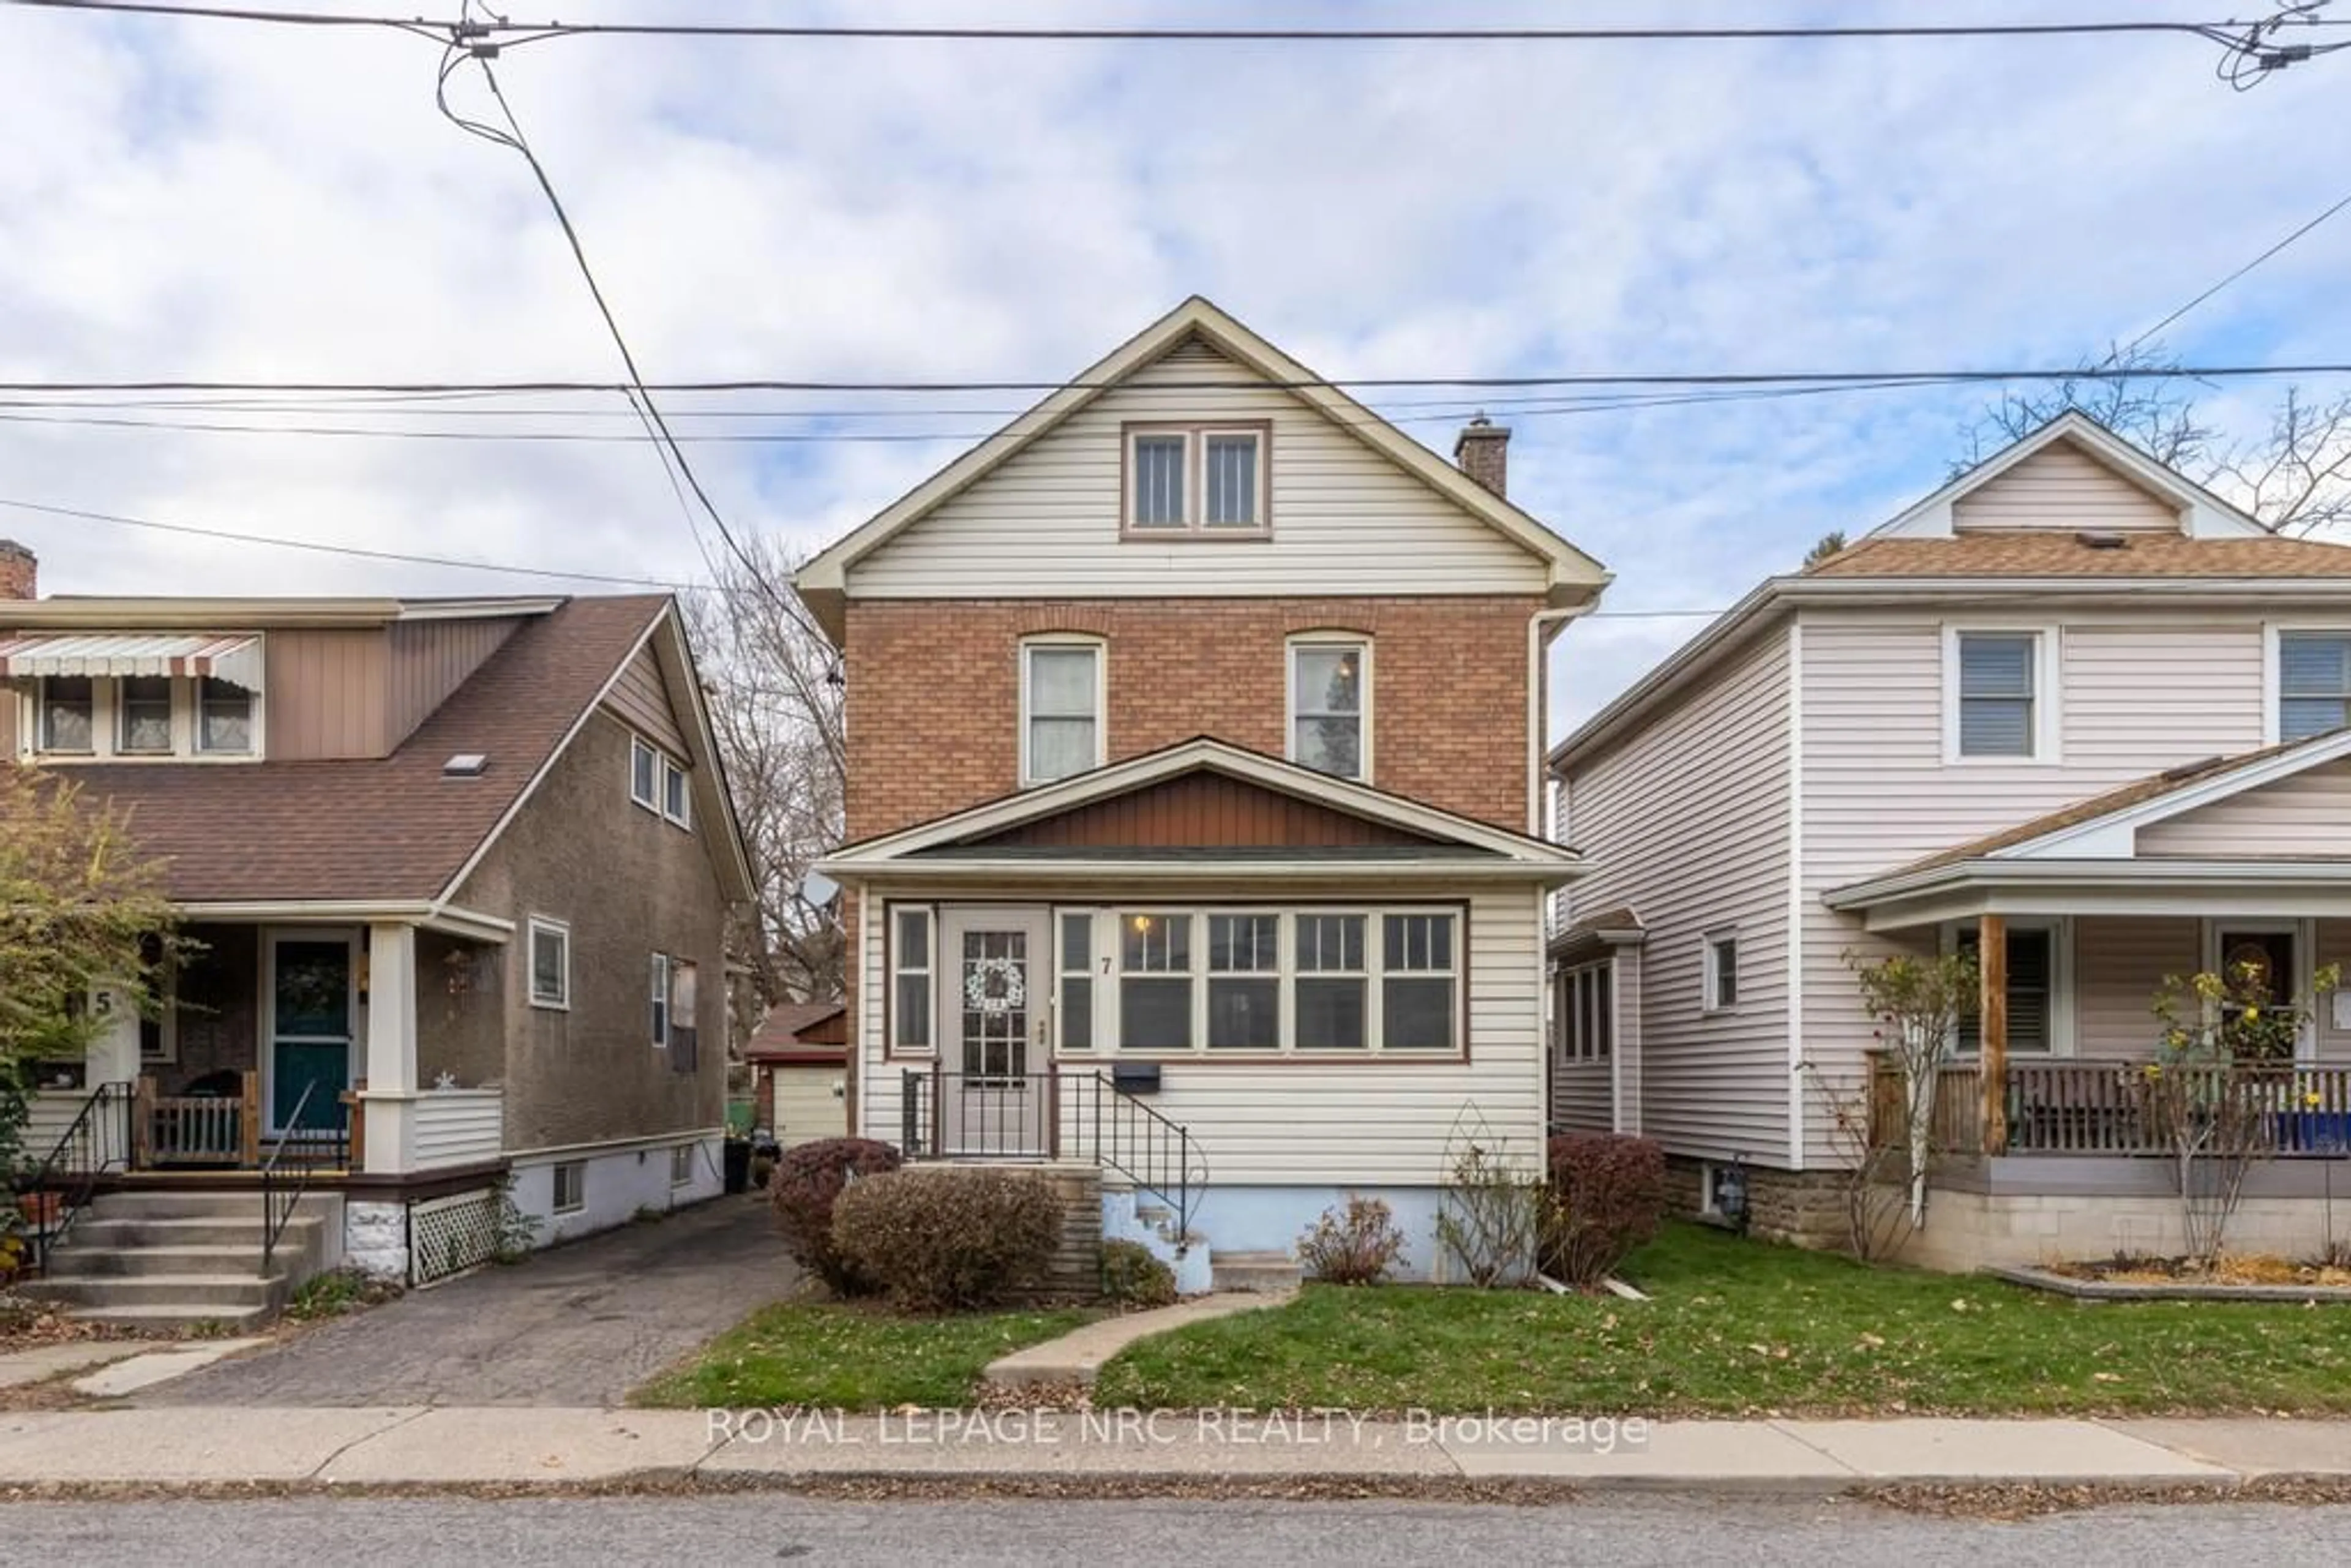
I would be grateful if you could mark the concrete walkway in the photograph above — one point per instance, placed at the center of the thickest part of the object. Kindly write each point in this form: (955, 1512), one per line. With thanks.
(456, 1447)
(1075, 1357)
(575, 1325)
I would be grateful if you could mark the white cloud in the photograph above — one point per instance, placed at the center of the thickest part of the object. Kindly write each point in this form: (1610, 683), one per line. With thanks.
(233, 201)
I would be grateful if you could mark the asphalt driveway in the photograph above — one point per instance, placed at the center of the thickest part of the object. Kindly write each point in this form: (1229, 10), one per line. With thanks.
(577, 1325)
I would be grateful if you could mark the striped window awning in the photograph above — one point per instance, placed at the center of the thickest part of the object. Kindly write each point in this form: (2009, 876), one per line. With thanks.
(232, 657)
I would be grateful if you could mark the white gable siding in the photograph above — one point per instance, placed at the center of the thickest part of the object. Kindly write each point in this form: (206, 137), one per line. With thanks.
(1345, 519)
(2300, 816)
(2138, 694)
(2064, 488)
(1687, 825)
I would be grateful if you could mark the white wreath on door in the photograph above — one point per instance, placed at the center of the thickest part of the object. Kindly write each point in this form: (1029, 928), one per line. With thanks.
(995, 985)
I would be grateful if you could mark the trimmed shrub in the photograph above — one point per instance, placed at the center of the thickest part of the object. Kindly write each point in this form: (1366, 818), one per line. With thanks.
(803, 1187)
(1356, 1244)
(1607, 1197)
(1132, 1276)
(948, 1241)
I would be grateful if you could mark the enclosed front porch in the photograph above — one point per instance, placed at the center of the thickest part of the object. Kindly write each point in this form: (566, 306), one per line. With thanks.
(331, 1048)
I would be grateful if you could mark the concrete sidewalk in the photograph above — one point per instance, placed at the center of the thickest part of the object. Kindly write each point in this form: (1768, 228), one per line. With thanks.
(407, 1446)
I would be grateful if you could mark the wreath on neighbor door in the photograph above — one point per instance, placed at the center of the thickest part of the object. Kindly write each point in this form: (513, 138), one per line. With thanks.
(994, 986)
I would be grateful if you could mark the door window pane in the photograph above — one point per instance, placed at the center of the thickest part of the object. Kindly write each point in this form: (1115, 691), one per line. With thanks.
(994, 1003)
(145, 709)
(313, 991)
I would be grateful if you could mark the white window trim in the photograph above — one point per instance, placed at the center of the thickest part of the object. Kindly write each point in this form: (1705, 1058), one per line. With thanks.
(106, 712)
(2062, 1041)
(671, 768)
(196, 747)
(1194, 437)
(2273, 669)
(1568, 1006)
(640, 746)
(681, 1166)
(534, 925)
(1709, 977)
(893, 1044)
(658, 978)
(555, 1187)
(1097, 971)
(2047, 721)
(1375, 974)
(1066, 640)
(1366, 682)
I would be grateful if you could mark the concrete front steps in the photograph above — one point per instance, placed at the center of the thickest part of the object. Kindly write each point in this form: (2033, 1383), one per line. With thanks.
(1266, 1274)
(176, 1259)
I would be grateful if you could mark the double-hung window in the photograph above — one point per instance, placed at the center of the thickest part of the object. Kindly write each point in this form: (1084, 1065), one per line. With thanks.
(1998, 691)
(143, 715)
(2314, 682)
(1722, 983)
(677, 795)
(68, 714)
(223, 716)
(1076, 997)
(1200, 481)
(1310, 981)
(2031, 972)
(644, 775)
(1330, 705)
(660, 993)
(550, 963)
(1060, 709)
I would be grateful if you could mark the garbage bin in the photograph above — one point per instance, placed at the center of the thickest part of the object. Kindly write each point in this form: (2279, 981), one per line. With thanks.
(738, 1165)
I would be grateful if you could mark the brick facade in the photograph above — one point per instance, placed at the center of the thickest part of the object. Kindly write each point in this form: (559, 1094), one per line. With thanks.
(933, 699)
(20, 572)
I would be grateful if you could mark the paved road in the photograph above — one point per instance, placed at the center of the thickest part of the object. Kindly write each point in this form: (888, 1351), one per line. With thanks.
(573, 1325)
(772, 1529)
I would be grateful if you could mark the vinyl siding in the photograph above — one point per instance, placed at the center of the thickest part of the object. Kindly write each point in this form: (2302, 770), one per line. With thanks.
(327, 694)
(806, 1108)
(2137, 695)
(1582, 1098)
(2118, 964)
(1345, 519)
(1352, 1123)
(2062, 487)
(429, 661)
(1686, 822)
(2303, 817)
(641, 699)
(458, 1126)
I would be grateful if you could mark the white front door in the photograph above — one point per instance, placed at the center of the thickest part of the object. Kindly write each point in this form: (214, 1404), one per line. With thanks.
(995, 1093)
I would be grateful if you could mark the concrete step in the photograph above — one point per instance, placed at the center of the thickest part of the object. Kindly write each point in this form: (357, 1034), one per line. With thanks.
(79, 1260)
(1264, 1272)
(174, 1203)
(95, 1230)
(171, 1315)
(199, 1290)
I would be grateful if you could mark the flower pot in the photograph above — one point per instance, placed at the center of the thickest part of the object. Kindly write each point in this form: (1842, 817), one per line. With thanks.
(38, 1208)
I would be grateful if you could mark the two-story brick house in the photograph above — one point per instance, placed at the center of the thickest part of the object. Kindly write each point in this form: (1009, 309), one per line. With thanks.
(455, 873)
(2071, 711)
(1193, 765)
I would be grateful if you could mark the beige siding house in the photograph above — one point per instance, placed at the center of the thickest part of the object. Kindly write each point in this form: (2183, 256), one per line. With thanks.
(2070, 705)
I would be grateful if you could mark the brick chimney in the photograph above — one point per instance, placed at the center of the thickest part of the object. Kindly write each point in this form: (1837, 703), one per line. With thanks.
(20, 572)
(1483, 451)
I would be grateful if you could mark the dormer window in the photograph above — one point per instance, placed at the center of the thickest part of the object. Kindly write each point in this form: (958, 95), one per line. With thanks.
(224, 717)
(144, 716)
(1196, 481)
(68, 715)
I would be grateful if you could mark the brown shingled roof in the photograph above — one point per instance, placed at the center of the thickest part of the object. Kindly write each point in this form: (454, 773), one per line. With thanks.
(386, 829)
(777, 1038)
(2035, 554)
(2138, 792)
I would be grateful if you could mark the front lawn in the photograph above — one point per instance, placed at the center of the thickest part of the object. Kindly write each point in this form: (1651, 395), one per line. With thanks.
(851, 1356)
(1738, 1327)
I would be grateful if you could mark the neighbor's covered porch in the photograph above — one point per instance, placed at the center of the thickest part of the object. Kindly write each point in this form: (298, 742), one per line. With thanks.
(372, 1047)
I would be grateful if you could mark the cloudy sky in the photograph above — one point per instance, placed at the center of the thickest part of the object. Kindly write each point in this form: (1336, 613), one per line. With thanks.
(185, 199)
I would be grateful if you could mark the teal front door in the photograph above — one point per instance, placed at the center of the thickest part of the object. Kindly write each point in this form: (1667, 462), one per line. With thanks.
(311, 1029)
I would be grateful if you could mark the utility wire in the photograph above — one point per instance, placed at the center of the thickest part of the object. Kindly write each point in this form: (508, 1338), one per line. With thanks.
(510, 33)
(2217, 288)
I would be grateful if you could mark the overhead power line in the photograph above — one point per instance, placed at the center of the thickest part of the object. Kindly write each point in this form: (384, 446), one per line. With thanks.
(510, 32)
(2217, 288)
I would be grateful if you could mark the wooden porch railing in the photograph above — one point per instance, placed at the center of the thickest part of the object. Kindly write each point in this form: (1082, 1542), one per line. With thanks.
(197, 1129)
(2113, 1107)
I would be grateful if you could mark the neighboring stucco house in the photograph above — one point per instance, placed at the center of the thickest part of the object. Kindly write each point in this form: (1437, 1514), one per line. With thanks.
(458, 871)
(2071, 709)
(1193, 795)
(799, 1065)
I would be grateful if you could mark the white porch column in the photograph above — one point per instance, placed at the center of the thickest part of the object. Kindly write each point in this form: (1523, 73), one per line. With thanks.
(389, 1102)
(113, 1056)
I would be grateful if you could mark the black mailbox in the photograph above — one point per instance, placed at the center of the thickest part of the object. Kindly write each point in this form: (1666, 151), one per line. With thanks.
(1134, 1077)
